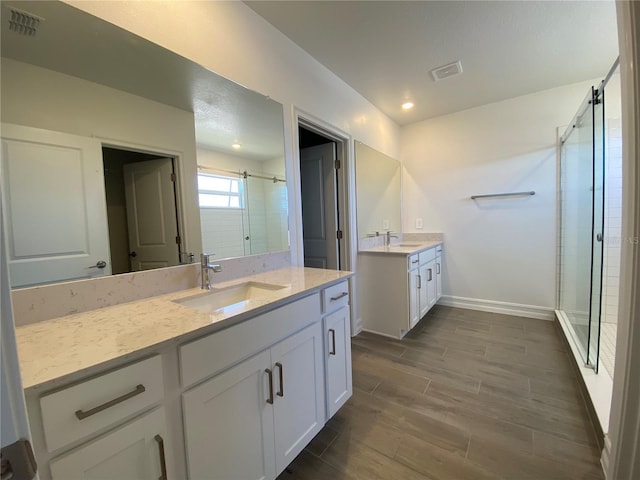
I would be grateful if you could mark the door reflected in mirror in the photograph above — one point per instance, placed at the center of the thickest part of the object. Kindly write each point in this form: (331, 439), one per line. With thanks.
(378, 191)
(105, 88)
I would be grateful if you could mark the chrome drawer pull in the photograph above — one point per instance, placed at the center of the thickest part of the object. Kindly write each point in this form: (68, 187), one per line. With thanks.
(280, 392)
(415, 261)
(270, 373)
(438, 268)
(163, 460)
(338, 297)
(138, 390)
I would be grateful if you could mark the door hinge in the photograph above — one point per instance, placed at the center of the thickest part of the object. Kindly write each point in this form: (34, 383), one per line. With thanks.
(337, 164)
(173, 177)
(17, 461)
(178, 240)
(339, 234)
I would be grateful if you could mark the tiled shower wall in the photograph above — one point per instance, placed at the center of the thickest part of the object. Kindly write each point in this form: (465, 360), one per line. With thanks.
(612, 222)
(264, 221)
(612, 244)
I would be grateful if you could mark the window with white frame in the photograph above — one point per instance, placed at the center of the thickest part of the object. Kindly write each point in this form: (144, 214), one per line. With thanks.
(216, 191)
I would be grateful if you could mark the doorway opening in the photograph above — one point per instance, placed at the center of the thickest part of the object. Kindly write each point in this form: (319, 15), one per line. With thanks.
(142, 213)
(324, 206)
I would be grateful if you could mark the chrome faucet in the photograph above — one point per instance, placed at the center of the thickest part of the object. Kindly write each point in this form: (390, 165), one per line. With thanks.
(205, 267)
(388, 238)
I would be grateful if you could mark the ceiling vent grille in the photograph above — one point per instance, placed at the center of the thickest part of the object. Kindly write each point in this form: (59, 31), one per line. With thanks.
(23, 23)
(446, 71)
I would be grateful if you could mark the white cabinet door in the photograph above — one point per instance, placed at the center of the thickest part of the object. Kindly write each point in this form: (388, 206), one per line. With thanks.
(438, 277)
(134, 451)
(414, 298)
(423, 290)
(228, 425)
(337, 329)
(298, 378)
(430, 282)
(56, 212)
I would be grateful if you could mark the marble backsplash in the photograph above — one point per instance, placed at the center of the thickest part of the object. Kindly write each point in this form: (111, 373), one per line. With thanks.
(36, 304)
(378, 241)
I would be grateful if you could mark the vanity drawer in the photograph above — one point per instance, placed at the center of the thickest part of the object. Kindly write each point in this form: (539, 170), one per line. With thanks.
(207, 356)
(427, 255)
(413, 261)
(88, 407)
(335, 297)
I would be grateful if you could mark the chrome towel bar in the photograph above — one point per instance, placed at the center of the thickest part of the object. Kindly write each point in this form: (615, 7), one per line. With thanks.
(511, 194)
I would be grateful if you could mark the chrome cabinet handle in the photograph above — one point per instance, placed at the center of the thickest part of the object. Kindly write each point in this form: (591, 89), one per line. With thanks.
(430, 274)
(163, 461)
(438, 268)
(415, 261)
(137, 391)
(270, 373)
(332, 332)
(419, 281)
(99, 264)
(338, 297)
(280, 392)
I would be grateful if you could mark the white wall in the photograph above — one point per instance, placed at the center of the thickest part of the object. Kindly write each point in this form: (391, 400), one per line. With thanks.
(501, 250)
(42, 98)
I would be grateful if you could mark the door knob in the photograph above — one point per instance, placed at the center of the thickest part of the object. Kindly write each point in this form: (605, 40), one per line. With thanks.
(133, 254)
(99, 264)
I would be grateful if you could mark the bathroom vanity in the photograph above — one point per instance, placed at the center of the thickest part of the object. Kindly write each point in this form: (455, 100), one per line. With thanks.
(231, 383)
(398, 285)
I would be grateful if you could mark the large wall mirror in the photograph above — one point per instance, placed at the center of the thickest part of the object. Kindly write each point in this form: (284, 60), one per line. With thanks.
(118, 155)
(378, 191)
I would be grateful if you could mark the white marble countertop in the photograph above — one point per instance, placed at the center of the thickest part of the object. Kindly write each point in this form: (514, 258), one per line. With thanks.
(407, 247)
(64, 349)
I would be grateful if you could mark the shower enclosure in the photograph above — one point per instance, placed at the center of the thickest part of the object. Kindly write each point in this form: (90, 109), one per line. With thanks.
(588, 149)
(242, 213)
(582, 225)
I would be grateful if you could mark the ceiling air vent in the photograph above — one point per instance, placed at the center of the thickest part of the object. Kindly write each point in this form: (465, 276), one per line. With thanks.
(446, 71)
(23, 23)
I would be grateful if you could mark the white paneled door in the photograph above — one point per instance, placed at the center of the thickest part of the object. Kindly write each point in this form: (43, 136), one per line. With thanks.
(319, 211)
(55, 208)
(151, 214)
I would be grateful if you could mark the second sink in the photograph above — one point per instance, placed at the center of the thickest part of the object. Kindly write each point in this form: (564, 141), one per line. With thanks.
(222, 298)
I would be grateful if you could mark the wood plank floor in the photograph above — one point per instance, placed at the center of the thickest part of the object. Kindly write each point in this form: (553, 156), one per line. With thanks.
(466, 395)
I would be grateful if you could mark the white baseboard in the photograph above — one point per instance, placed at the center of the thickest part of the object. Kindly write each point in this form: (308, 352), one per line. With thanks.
(517, 309)
(606, 455)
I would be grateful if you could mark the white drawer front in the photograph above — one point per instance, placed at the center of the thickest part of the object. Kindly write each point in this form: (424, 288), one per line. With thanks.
(209, 355)
(335, 297)
(83, 409)
(413, 261)
(427, 255)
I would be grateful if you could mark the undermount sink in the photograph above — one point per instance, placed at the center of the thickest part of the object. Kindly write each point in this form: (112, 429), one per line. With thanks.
(223, 298)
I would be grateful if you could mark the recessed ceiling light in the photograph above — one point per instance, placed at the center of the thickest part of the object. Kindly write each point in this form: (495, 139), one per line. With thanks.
(236, 145)
(407, 105)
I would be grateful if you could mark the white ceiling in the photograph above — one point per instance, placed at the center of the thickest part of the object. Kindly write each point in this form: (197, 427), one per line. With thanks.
(386, 49)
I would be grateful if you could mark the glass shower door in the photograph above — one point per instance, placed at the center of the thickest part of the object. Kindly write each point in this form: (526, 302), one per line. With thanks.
(597, 240)
(582, 200)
